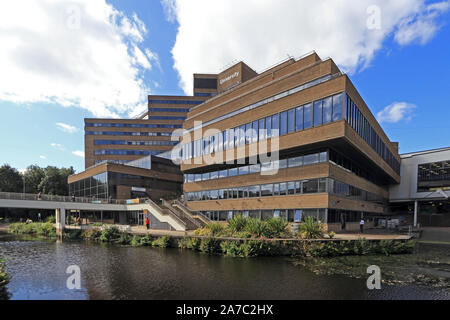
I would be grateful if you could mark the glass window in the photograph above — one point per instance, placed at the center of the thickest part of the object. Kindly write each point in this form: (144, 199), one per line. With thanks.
(276, 213)
(307, 116)
(223, 173)
(275, 125)
(291, 120)
(242, 135)
(323, 156)
(323, 185)
(243, 170)
(266, 190)
(311, 159)
(268, 127)
(283, 188)
(198, 177)
(283, 123)
(255, 131)
(295, 162)
(205, 176)
(253, 191)
(262, 126)
(310, 186)
(298, 187)
(327, 109)
(299, 119)
(230, 138)
(248, 133)
(255, 168)
(276, 189)
(282, 164)
(337, 107)
(214, 175)
(291, 187)
(298, 215)
(317, 113)
(232, 172)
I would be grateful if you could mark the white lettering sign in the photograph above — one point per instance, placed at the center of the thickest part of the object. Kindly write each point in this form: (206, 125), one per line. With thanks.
(234, 75)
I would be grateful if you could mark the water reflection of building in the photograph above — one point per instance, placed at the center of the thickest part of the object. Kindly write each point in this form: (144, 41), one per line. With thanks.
(424, 189)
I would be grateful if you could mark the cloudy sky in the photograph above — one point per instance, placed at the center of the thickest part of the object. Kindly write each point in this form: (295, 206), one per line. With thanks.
(63, 61)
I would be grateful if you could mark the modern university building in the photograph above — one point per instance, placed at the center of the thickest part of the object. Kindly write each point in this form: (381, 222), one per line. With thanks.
(335, 161)
(293, 141)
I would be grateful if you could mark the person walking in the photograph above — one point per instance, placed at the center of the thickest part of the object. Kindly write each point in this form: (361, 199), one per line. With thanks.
(147, 222)
(361, 225)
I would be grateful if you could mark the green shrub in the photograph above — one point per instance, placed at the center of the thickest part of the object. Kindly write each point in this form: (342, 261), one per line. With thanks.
(311, 228)
(331, 234)
(46, 229)
(232, 248)
(275, 228)
(136, 241)
(146, 241)
(91, 234)
(161, 242)
(237, 224)
(72, 234)
(213, 229)
(4, 280)
(189, 243)
(110, 234)
(210, 245)
(51, 219)
(256, 227)
(124, 239)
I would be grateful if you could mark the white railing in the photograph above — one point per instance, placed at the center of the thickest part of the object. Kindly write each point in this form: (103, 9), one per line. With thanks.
(55, 198)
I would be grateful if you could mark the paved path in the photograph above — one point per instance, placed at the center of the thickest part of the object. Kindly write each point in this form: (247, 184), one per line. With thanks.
(368, 236)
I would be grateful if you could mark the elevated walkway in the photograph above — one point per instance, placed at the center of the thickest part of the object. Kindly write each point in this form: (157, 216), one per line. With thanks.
(177, 220)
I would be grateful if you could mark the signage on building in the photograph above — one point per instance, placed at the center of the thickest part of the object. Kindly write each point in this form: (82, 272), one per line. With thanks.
(138, 189)
(234, 75)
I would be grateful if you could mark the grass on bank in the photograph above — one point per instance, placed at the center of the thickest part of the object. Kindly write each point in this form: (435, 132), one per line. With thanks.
(253, 237)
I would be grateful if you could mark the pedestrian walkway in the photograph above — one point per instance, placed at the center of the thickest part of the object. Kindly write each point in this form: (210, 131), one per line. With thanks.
(435, 235)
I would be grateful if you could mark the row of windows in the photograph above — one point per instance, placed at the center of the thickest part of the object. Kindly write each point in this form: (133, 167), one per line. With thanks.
(122, 133)
(434, 171)
(296, 119)
(291, 215)
(345, 163)
(266, 101)
(134, 125)
(321, 185)
(165, 118)
(96, 186)
(175, 102)
(135, 143)
(168, 110)
(106, 152)
(360, 124)
(299, 161)
(205, 94)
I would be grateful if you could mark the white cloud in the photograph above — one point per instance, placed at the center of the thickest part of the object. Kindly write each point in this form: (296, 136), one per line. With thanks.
(263, 32)
(80, 53)
(43, 157)
(57, 146)
(423, 26)
(66, 127)
(170, 9)
(78, 153)
(396, 112)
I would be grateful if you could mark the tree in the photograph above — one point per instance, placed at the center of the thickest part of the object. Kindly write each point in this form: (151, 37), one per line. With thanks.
(10, 179)
(33, 177)
(55, 181)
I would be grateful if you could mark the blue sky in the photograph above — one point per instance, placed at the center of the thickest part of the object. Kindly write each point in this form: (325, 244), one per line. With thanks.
(403, 65)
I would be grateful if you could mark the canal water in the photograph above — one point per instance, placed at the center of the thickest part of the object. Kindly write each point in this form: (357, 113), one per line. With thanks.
(38, 271)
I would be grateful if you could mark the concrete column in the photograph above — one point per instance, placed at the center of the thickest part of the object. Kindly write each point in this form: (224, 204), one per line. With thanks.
(60, 221)
(416, 212)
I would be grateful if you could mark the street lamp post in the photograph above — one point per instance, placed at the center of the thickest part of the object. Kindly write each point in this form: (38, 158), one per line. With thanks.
(23, 178)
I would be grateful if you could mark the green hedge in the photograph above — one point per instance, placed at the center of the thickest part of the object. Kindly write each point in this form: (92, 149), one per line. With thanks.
(4, 280)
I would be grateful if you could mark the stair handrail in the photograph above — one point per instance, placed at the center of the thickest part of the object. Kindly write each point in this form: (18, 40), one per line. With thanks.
(183, 214)
(186, 210)
(163, 212)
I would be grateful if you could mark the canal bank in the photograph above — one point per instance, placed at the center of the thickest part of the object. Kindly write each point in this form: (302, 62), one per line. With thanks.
(38, 271)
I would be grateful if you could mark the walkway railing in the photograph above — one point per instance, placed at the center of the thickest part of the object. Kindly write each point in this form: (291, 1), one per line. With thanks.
(180, 213)
(193, 214)
(54, 198)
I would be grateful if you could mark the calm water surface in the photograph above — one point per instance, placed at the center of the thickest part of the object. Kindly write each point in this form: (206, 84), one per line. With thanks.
(38, 271)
